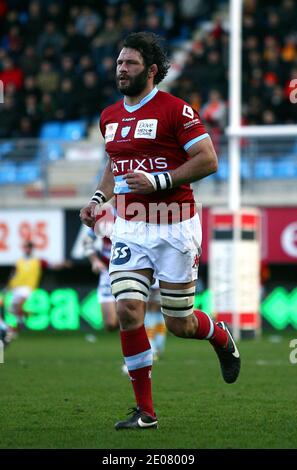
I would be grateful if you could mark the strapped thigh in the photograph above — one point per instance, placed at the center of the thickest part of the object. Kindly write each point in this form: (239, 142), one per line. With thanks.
(129, 285)
(177, 302)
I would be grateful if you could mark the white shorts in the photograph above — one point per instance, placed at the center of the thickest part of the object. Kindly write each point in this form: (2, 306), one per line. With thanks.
(171, 251)
(19, 293)
(104, 288)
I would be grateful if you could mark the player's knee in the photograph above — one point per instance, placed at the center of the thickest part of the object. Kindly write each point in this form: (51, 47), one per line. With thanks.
(182, 327)
(131, 292)
(130, 313)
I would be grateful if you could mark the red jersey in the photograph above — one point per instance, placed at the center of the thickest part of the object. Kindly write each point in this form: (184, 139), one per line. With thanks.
(152, 136)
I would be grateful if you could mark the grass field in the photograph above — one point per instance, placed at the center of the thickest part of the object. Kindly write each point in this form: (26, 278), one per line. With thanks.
(60, 391)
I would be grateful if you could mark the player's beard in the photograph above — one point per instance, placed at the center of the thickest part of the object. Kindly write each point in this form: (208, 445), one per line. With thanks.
(135, 85)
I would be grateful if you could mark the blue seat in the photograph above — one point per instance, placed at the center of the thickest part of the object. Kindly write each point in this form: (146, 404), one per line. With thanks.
(51, 130)
(285, 168)
(54, 151)
(245, 168)
(263, 168)
(8, 173)
(223, 169)
(73, 130)
(28, 173)
(5, 148)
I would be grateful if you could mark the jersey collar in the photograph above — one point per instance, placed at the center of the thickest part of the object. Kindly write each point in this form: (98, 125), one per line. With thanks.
(141, 103)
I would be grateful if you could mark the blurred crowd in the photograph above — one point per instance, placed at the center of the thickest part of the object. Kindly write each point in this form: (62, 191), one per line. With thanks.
(269, 63)
(57, 58)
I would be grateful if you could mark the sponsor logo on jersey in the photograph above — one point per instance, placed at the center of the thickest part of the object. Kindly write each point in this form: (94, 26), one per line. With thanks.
(125, 131)
(188, 111)
(128, 119)
(146, 129)
(111, 131)
(191, 123)
(121, 253)
(146, 164)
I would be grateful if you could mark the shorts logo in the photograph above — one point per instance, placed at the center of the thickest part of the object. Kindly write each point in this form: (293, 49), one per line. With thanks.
(125, 131)
(188, 111)
(121, 253)
(110, 131)
(146, 129)
(195, 262)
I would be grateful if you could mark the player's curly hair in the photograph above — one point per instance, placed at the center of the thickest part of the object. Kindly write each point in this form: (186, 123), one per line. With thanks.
(149, 46)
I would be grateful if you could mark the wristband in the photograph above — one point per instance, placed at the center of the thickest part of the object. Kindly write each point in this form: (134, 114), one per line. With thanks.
(99, 197)
(163, 181)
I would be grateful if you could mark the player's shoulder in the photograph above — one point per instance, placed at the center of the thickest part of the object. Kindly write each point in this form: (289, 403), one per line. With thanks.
(178, 108)
(176, 105)
(172, 100)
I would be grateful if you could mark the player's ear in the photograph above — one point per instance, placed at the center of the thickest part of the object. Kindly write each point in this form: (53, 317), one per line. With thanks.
(153, 70)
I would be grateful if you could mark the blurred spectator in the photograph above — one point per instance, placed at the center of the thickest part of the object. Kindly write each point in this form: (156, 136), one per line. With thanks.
(30, 61)
(26, 129)
(11, 73)
(13, 42)
(50, 38)
(67, 101)
(214, 112)
(55, 14)
(90, 96)
(171, 20)
(48, 107)
(268, 117)
(34, 24)
(32, 111)
(104, 43)
(9, 117)
(195, 100)
(75, 43)
(67, 68)
(47, 78)
(87, 21)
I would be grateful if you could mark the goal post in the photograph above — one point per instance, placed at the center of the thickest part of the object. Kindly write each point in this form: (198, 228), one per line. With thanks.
(235, 260)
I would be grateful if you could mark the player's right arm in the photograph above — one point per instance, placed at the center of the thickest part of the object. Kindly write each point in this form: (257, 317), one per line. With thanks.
(103, 193)
(90, 252)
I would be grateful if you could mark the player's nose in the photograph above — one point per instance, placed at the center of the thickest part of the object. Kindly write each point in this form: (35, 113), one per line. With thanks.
(122, 67)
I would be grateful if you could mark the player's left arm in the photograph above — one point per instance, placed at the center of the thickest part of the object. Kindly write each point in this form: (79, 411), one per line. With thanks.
(203, 162)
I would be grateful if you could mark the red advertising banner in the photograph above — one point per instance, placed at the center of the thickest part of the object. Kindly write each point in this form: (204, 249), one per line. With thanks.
(278, 234)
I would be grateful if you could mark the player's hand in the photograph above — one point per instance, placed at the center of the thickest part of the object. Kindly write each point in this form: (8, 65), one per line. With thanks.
(139, 183)
(88, 214)
(98, 266)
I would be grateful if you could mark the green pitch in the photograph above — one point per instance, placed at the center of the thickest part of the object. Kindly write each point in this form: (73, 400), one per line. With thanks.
(59, 391)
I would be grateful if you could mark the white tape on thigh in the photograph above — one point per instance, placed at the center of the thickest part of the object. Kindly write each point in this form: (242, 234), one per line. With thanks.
(129, 285)
(177, 303)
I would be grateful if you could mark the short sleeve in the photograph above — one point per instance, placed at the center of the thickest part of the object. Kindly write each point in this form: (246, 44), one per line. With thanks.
(188, 126)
